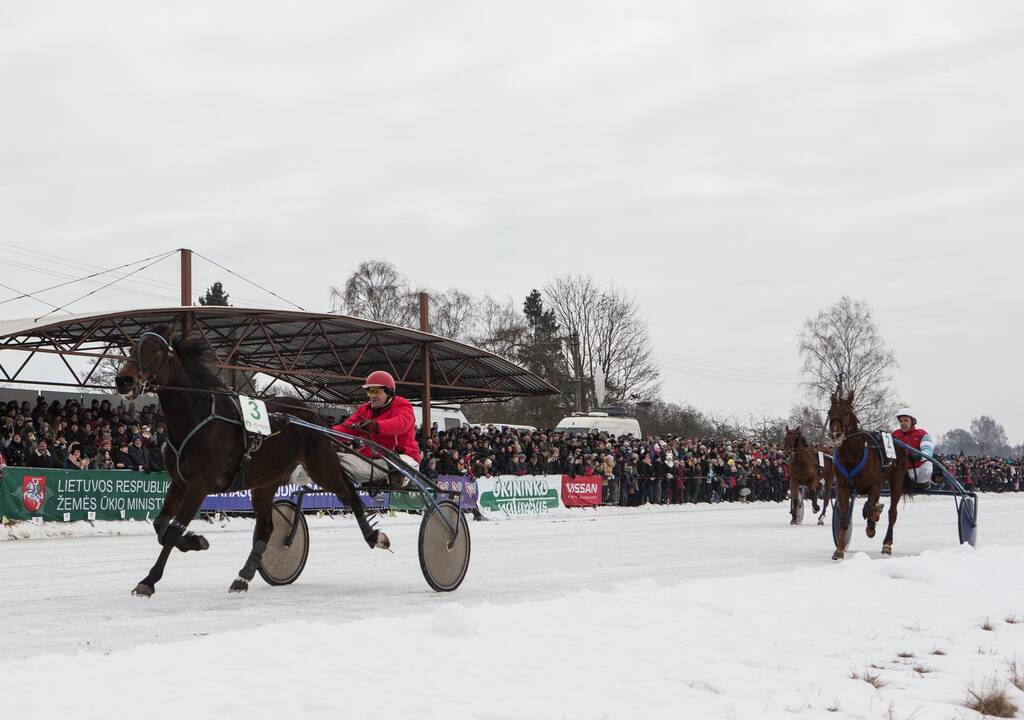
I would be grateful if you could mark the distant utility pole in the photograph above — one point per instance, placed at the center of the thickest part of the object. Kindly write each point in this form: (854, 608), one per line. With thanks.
(577, 359)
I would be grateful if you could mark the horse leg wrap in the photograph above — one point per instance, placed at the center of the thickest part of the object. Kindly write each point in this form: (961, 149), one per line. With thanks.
(171, 534)
(248, 571)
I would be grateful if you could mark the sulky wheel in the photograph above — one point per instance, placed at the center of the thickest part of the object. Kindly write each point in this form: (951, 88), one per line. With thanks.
(967, 520)
(288, 547)
(444, 561)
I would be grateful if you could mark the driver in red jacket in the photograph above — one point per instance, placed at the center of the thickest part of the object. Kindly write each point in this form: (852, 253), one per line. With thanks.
(387, 420)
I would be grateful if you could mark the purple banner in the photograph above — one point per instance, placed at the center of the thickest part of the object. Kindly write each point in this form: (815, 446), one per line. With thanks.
(464, 486)
(315, 499)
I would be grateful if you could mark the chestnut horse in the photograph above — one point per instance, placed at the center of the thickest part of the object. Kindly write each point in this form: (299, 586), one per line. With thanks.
(859, 468)
(207, 449)
(805, 470)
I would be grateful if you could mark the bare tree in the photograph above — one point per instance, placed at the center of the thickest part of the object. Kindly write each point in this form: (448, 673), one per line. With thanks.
(453, 314)
(103, 371)
(499, 327)
(810, 420)
(958, 441)
(990, 436)
(842, 350)
(606, 333)
(377, 291)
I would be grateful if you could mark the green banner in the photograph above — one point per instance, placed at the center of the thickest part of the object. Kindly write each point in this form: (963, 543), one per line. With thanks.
(406, 501)
(66, 495)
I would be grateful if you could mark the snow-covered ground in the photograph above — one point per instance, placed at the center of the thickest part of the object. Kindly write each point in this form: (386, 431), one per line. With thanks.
(707, 612)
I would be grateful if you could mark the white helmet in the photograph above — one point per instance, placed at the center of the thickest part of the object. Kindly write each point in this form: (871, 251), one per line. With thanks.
(908, 412)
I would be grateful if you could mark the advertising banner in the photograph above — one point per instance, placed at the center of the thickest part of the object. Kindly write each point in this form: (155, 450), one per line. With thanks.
(581, 491)
(67, 495)
(315, 499)
(515, 496)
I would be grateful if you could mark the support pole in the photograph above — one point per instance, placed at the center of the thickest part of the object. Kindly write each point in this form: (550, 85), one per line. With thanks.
(186, 289)
(186, 277)
(425, 327)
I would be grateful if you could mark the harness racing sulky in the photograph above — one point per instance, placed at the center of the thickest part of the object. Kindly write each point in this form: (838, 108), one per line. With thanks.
(875, 464)
(220, 441)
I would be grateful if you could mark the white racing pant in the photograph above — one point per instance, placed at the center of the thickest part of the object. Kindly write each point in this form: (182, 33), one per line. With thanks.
(362, 469)
(921, 475)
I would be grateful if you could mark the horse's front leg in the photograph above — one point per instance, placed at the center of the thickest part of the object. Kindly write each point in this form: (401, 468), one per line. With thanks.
(794, 498)
(843, 508)
(173, 533)
(172, 503)
(815, 484)
(263, 507)
(873, 509)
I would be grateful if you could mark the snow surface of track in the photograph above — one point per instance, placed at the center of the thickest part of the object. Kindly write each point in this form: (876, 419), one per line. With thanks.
(646, 612)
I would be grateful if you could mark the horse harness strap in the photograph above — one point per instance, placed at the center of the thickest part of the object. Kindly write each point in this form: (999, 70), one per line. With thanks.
(850, 474)
(250, 441)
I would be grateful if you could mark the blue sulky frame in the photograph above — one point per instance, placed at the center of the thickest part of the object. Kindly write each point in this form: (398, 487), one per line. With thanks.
(966, 501)
(426, 488)
(444, 542)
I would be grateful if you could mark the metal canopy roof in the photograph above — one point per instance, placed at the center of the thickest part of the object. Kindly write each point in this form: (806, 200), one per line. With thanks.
(325, 356)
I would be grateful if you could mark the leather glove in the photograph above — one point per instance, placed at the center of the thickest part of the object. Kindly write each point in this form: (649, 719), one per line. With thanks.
(367, 425)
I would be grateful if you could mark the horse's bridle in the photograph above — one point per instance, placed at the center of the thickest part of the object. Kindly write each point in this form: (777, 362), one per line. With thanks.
(136, 355)
(798, 449)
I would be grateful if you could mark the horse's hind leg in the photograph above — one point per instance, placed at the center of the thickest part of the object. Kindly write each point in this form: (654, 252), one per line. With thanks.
(894, 500)
(321, 463)
(825, 500)
(263, 507)
(814, 495)
(873, 509)
(194, 495)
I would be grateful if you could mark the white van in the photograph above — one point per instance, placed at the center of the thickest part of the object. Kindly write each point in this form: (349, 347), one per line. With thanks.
(446, 417)
(504, 426)
(600, 422)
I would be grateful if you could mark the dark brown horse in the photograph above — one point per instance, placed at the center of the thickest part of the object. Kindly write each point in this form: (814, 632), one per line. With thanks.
(206, 445)
(805, 470)
(859, 466)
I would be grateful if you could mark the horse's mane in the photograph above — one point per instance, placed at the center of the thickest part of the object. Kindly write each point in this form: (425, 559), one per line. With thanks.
(197, 359)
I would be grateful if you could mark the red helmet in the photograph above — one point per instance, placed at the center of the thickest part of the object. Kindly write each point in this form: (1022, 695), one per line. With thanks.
(380, 378)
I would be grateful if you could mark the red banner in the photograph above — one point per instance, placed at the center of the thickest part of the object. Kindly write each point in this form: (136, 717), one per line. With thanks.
(581, 491)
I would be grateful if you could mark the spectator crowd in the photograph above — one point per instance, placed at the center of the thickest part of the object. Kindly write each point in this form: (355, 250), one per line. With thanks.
(633, 471)
(68, 435)
(654, 469)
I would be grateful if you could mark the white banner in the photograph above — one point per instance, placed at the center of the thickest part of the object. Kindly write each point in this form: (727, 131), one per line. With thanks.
(514, 496)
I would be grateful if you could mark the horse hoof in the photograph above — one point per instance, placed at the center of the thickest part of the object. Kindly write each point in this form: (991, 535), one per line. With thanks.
(838, 555)
(887, 550)
(143, 590)
(382, 541)
(870, 531)
(190, 541)
(240, 585)
(821, 521)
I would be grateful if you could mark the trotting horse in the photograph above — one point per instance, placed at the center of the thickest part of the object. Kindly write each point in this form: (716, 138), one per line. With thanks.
(805, 471)
(859, 466)
(207, 449)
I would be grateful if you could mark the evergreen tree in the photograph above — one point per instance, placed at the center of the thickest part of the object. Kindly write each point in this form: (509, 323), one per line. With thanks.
(215, 295)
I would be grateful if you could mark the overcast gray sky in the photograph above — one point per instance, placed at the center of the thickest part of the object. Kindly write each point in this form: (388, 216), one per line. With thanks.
(736, 166)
